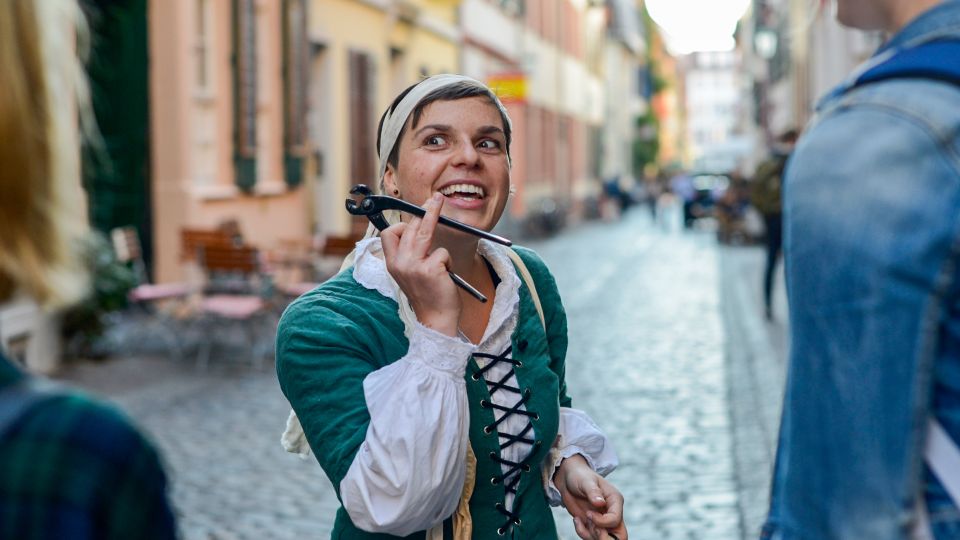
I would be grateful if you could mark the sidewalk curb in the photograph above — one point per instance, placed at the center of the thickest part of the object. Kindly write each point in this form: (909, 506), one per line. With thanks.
(755, 354)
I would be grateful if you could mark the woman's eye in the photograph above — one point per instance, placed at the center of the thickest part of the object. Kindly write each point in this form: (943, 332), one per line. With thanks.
(489, 144)
(434, 140)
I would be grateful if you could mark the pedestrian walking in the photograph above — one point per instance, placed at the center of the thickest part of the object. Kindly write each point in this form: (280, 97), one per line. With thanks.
(681, 185)
(434, 414)
(766, 196)
(871, 416)
(70, 466)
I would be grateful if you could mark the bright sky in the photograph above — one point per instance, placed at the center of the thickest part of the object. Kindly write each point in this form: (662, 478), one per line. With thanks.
(697, 25)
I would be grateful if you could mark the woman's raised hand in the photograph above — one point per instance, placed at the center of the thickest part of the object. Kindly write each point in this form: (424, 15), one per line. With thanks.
(422, 273)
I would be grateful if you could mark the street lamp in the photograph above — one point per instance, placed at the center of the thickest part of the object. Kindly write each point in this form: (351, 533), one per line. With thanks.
(765, 43)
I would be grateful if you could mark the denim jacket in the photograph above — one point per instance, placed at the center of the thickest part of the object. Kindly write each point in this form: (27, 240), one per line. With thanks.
(872, 245)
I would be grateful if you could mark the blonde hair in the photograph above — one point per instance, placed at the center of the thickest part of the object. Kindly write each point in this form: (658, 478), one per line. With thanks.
(42, 95)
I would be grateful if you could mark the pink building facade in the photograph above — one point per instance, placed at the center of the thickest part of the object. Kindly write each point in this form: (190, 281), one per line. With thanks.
(228, 138)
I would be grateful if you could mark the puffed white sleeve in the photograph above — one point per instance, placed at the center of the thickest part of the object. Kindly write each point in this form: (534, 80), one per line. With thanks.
(578, 434)
(409, 471)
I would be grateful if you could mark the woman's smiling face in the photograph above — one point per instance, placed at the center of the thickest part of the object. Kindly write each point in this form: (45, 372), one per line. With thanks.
(457, 148)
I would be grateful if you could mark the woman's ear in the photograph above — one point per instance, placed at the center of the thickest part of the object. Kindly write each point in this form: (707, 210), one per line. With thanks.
(390, 182)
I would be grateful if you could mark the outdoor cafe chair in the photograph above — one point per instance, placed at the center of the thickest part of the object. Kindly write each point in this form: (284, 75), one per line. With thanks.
(233, 298)
(147, 297)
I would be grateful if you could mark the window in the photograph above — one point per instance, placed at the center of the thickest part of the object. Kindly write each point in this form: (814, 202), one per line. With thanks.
(202, 41)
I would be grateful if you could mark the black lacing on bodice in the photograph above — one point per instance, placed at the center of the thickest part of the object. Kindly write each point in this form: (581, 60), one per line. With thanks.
(511, 477)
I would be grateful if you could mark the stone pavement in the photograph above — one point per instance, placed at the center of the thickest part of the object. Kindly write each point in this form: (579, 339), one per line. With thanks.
(756, 353)
(646, 362)
(659, 362)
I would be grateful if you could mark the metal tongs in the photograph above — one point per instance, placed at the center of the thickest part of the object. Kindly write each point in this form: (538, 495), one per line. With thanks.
(373, 207)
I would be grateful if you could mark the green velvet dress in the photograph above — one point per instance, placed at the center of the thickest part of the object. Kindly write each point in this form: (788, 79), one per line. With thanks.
(330, 339)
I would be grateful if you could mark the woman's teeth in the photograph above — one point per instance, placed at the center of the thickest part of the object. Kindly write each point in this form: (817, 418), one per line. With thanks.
(463, 191)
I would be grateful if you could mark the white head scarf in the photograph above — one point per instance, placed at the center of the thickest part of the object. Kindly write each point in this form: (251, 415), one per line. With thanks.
(393, 121)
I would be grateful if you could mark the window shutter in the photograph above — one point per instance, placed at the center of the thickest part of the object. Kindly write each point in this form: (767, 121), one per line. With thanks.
(295, 72)
(362, 153)
(245, 93)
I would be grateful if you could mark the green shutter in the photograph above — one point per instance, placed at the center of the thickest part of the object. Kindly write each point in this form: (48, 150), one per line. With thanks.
(295, 72)
(245, 93)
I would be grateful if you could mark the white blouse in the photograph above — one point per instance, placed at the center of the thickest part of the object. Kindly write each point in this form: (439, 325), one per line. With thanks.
(409, 472)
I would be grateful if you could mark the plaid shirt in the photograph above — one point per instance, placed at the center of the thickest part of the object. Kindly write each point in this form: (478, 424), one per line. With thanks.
(72, 468)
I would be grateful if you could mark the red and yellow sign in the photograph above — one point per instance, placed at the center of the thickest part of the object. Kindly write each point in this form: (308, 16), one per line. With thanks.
(509, 87)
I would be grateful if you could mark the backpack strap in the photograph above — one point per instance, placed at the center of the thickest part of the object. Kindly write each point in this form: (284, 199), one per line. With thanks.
(528, 279)
(936, 60)
(22, 396)
(943, 457)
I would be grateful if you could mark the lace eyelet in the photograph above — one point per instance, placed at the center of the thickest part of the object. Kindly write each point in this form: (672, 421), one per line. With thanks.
(484, 404)
(494, 481)
(487, 430)
(538, 444)
(518, 521)
(536, 416)
(526, 468)
(475, 376)
(501, 531)
(527, 393)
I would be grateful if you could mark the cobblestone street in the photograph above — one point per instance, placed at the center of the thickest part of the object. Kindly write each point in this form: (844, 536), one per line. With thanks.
(668, 353)
(646, 362)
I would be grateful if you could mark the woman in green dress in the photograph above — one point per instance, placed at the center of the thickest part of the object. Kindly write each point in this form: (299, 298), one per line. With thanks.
(433, 414)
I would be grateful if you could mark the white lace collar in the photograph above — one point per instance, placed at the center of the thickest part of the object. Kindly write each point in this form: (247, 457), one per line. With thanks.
(370, 271)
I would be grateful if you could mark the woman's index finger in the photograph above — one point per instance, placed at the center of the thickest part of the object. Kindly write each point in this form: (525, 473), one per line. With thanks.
(429, 222)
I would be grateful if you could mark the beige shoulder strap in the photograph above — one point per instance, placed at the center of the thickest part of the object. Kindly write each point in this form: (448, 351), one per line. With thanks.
(525, 275)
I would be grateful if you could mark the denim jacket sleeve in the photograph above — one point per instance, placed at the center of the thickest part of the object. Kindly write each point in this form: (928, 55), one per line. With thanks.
(872, 199)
